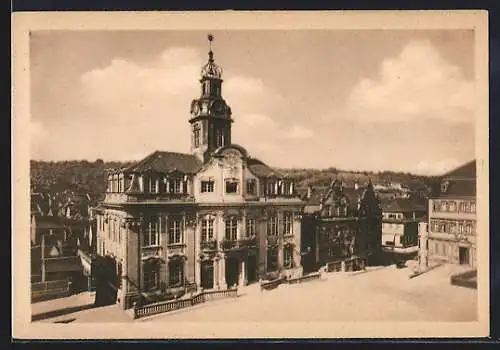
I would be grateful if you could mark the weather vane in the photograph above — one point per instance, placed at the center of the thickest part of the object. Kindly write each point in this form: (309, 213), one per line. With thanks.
(210, 39)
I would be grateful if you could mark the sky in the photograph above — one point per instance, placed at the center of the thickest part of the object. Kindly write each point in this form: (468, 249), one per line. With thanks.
(353, 99)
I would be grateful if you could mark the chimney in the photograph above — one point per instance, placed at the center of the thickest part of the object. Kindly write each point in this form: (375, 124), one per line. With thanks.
(309, 191)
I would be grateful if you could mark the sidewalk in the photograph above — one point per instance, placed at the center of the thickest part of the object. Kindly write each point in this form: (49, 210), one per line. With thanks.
(61, 306)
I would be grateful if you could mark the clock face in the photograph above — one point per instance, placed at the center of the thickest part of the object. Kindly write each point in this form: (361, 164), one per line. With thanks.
(196, 109)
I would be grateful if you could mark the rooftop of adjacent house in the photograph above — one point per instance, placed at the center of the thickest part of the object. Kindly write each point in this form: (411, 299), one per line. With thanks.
(466, 171)
(48, 222)
(458, 188)
(402, 205)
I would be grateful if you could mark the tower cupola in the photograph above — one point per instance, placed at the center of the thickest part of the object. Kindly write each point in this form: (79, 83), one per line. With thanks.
(210, 115)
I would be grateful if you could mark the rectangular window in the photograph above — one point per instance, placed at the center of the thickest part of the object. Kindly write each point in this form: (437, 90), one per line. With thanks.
(272, 259)
(175, 185)
(151, 236)
(152, 185)
(453, 207)
(231, 229)
(207, 186)
(288, 224)
(288, 257)
(271, 187)
(175, 231)
(468, 228)
(196, 135)
(473, 207)
(207, 229)
(151, 277)
(163, 185)
(251, 187)
(331, 252)
(175, 273)
(231, 186)
(272, 226)
(250, 227)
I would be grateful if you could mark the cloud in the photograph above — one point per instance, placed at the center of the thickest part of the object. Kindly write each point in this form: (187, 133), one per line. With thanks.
(299, 132)
(418, 83)
(145, 106)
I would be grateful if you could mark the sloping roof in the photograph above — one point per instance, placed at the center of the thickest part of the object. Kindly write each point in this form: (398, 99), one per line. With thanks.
(166, 162)
(63, 264)
(402, 205)
(48, 222)
(353, 195)
(459, 188)
(260, 169)
(467, 170)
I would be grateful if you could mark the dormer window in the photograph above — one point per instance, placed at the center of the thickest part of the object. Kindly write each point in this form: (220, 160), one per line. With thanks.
(175, 186)
(152, 185)
(444, 186)
(251, 187)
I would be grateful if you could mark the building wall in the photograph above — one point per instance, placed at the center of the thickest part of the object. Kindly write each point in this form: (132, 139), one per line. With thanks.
(452, 226)
(126, 243)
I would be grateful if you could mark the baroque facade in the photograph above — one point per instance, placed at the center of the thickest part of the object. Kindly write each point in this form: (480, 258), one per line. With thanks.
(451, 231)
(213, 218)
(346, 225)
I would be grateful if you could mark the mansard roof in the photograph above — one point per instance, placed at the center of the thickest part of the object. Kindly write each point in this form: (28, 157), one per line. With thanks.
(260, 169)
(459, 188)
(402, 205)
(460, 182)
(166, 162)
(467, 170)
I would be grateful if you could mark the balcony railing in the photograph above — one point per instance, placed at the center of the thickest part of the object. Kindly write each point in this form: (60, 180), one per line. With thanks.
(141, 197)
(209, 245)
(244, 242)
(272, 240)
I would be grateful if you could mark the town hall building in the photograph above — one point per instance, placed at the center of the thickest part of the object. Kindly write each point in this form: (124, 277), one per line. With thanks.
(213, 218)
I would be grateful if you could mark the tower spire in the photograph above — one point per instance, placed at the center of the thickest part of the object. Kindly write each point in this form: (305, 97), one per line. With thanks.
(210, 52)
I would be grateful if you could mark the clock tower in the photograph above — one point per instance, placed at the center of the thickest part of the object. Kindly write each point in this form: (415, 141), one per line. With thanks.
(210, 115)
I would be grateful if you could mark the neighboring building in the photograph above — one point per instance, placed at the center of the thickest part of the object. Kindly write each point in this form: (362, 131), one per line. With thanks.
(213, 218)
(346, 226)
(423, 245)
(452, 219)
(400, 225)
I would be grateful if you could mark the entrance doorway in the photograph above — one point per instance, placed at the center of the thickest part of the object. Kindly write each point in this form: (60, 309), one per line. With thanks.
(106, 281)
(251, 268)
(232, 271)
(207, 274)
(463, 255)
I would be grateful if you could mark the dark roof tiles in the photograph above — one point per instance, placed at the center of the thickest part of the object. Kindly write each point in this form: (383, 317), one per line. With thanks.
(467, 170)
(166, 162)
(260, 169)
(402, 205)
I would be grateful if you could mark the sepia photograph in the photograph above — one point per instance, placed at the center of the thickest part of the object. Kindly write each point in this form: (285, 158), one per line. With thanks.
(250, 175)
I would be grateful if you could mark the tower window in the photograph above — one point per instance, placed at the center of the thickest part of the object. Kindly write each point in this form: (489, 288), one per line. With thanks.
(220, 138)
(196, 136)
